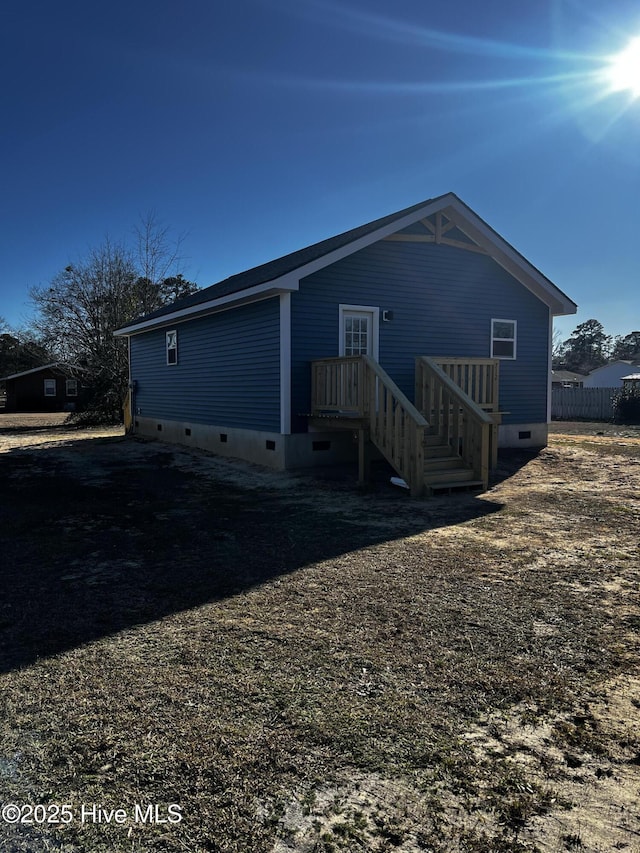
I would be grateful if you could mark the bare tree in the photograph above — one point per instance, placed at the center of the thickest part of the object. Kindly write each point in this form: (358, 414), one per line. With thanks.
(78, 313)
(557, 349)
(159, 260)
(158, 255)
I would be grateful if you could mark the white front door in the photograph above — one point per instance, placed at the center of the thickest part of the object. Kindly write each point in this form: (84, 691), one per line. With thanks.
(359, 330)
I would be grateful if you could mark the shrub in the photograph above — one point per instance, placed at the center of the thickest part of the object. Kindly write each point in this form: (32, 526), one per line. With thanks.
(626, 406)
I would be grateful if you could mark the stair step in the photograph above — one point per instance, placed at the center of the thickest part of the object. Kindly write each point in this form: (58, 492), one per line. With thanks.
(435, 441)
(455, 486)
(448, 475)
(437, 450)
(440, 462)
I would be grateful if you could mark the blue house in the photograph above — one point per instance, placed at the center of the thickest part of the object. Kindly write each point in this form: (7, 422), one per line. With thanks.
(423, 334)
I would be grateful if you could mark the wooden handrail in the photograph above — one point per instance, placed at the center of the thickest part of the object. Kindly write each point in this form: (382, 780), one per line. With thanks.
(357, 385)
(397, 428)
(402, 399)
(454, 416)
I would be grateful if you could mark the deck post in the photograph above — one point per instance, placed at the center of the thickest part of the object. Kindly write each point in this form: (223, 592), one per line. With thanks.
(417, 480)
(364, 457)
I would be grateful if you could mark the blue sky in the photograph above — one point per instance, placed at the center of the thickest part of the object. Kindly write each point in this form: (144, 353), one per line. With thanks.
(257, 127)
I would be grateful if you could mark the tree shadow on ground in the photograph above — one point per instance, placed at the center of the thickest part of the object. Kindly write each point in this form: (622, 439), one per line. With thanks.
(100, 535)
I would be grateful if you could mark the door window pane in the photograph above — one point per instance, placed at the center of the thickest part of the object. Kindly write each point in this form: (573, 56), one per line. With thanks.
(356, 335)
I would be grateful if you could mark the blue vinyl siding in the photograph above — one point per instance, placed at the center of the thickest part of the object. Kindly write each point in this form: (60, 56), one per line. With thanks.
(228, 370)
(443, 299)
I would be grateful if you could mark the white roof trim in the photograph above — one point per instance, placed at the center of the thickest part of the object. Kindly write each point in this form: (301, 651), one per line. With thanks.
(231, 300)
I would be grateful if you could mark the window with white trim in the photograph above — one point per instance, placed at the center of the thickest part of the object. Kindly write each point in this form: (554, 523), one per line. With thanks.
(72, 388)
(49, 387)
(172, 347)
(503, 338)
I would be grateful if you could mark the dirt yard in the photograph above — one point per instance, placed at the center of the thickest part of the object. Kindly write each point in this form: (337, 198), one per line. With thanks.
(200, 655)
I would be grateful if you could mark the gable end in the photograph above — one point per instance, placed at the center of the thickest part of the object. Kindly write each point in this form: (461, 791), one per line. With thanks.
(445, 220)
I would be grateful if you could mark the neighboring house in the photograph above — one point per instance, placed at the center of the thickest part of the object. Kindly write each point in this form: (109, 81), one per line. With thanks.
(610, 375)
(283, 363)
(53, 387)
(566, 379)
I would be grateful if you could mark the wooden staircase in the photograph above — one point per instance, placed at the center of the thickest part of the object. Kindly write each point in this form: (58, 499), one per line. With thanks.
(440, 444)
(459, 428)
(445, 470)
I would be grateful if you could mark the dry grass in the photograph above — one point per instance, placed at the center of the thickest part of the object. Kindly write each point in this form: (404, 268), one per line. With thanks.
(304, 667)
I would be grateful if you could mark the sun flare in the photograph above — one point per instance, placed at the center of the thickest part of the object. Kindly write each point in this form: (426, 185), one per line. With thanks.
(623, 73)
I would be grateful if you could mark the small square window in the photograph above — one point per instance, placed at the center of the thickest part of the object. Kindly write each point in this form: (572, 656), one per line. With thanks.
(49, 387)
(503, 339)
(172, 347)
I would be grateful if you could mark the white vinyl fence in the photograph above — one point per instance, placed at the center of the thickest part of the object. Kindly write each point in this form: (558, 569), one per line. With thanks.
(590, 403)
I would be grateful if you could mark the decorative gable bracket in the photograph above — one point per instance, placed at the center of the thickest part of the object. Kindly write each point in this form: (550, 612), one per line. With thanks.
(436, 228)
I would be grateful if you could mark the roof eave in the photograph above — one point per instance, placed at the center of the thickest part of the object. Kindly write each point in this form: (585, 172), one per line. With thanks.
(232, 300)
